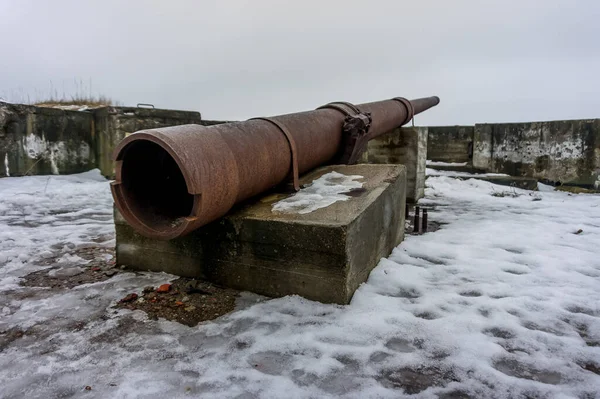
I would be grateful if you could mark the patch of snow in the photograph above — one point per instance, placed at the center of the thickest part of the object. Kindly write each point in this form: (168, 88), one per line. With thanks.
(439, 163)
(34, 146)
(6, 169)
(435, 172)
(71, 107)
(501, 302)
(545, 187)
(55, 152)
(40, 215)
(321, 193)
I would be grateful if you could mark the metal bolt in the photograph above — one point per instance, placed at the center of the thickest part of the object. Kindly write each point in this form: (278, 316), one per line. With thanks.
(416, 226)
(424, 221)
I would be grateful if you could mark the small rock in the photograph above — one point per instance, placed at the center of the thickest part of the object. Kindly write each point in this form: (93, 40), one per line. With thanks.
(164, 288)
(148, 289)
(129, 298)
(153, 316)
(123, 267)
(88, 388)
(151, 295)
(190, 308)
(110, 273)
(185, 299)
(141, 300)
(178, 303)
(578, 231)
(193, 287)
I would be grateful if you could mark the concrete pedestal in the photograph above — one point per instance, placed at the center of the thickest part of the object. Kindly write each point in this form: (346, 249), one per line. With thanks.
(406, 146)
(323, 255)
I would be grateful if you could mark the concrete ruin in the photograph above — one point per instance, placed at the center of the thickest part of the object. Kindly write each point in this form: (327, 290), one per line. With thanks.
(561, 152)
(322, 255)
(44, 141)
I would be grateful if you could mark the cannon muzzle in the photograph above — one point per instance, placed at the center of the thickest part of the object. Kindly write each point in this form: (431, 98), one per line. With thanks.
(173, 180)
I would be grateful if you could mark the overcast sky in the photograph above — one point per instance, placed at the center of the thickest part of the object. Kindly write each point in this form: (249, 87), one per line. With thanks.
(488, 60)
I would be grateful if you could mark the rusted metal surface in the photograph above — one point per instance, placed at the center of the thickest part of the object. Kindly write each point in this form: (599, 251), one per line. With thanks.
(170, 181)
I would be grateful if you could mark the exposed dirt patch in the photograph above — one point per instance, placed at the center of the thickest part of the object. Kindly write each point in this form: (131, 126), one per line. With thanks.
(101, 266)
(593, 367)
(417, 380)
(186, 301)
(514, 368)
(8, 336)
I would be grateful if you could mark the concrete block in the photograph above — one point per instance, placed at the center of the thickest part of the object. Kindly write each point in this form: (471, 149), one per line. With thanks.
(323, 255)
(450, 143)
(406, 146)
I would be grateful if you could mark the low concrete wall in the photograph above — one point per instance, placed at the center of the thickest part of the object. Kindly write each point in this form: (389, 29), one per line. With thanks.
(560, 151)
(40, 140)
(450, 143)
(406, 146)
(113, 124)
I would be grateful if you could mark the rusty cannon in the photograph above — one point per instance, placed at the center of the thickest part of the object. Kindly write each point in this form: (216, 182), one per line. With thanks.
(171, 181)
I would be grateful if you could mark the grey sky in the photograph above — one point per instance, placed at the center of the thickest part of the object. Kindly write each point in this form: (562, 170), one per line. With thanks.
(488, 61)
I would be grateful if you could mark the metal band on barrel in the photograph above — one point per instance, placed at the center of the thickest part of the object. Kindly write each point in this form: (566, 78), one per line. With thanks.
(346, 108)
(292, 145)
(409, 108)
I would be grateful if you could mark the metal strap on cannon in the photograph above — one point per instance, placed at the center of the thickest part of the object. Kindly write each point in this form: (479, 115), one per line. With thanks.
(292, 144)
(356, 129)
(346, 108)
(409, 109)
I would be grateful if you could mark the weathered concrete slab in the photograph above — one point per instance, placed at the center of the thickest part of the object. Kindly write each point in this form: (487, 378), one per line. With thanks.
(323, 255)
(406, 146)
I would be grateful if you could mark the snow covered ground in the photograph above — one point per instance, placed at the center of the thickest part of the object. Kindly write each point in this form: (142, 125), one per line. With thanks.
(502, 302)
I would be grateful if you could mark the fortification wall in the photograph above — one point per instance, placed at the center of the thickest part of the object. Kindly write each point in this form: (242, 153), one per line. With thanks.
(566, 152)
(42, 141)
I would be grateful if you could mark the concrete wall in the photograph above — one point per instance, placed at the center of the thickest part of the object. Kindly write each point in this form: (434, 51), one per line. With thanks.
(113, 124)
(40, 140)
(560, 151)
(450, 143)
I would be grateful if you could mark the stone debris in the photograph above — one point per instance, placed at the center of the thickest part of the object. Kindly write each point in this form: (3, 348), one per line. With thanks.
(129, 298)
(164, 288)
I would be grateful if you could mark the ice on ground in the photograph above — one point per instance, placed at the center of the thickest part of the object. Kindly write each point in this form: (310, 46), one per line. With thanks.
(321, 193)
(502, 302)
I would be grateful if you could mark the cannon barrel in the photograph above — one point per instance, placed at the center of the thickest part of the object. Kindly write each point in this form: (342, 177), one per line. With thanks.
(171, 181)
